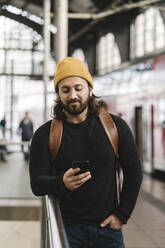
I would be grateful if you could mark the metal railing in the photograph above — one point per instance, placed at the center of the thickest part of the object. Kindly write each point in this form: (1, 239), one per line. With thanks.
(5, 143)
(52, 228)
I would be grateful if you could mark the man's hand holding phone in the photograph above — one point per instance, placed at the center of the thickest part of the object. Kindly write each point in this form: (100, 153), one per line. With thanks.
(77, 176)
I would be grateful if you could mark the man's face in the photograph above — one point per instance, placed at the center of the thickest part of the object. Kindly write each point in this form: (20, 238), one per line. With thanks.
(74, 94)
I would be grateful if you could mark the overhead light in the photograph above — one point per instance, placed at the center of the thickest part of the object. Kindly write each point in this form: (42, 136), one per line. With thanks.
(53, 28)
(35, 18)
(12, 9)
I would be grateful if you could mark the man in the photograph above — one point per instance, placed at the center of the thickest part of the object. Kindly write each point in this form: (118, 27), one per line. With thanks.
(88, 200)
(26, 127)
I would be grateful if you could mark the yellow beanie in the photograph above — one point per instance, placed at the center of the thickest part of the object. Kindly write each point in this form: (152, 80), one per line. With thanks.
(71, 67)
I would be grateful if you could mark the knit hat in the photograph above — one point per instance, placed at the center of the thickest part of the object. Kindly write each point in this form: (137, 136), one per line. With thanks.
(71, 67)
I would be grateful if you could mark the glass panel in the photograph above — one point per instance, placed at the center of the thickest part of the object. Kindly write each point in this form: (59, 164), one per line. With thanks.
(160, 32)
(79, 54)
(147, 33)
(2, 56)
(108, 54)
(18, 40)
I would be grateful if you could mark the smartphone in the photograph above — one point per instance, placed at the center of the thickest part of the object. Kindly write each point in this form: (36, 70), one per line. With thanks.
(83, 165)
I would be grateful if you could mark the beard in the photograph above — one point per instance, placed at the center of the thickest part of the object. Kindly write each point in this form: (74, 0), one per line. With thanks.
(75, 109)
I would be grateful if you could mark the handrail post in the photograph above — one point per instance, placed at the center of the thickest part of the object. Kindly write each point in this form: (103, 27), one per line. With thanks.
(43, 224)
(52, 228)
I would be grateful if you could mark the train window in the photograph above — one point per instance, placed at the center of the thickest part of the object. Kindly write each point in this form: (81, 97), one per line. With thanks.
(147, 33)
(78, 54)
(108, 56)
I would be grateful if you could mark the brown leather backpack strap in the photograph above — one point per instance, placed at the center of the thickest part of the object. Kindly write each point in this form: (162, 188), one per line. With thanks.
(112, 133)
(110, 129)
(55, 137)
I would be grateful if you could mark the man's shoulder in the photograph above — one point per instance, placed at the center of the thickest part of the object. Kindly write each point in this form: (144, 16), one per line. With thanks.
(119, 122)
(116, 119)
(43, 129)
(124, 130)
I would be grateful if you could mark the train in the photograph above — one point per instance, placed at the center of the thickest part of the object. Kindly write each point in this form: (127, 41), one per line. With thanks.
(137, 94)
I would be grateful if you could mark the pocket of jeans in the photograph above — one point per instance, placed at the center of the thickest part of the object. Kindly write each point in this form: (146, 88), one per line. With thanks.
(115, 229)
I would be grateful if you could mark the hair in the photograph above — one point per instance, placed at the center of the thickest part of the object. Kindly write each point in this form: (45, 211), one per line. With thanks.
(93, 107)
(103, 104)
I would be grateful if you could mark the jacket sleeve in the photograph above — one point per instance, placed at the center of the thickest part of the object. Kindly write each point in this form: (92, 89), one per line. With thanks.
(32, 129)
(41, 179)
(132, 172)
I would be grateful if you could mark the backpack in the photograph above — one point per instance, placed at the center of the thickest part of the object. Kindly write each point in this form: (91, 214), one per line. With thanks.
(56, 132)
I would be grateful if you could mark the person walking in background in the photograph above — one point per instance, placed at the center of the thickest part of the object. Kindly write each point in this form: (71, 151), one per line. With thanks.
(3, 149)
(3, 126)
(92, 214)
(26, 128)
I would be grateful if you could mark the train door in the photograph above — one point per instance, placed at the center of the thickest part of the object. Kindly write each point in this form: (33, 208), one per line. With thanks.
(148, 141)
(159, 135)
(139, 131)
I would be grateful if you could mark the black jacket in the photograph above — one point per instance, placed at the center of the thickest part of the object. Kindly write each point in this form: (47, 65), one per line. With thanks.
(96, 199)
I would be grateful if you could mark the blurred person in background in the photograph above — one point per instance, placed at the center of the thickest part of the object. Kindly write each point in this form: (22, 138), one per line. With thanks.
(3, 126)
(26, 130)
(3, 148)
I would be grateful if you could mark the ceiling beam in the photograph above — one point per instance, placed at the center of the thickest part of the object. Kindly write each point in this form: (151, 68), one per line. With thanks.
(155, 6)
(35, 26)
(98, 17)
(124, 7)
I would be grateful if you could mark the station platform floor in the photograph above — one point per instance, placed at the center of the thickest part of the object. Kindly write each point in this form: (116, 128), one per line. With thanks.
(145, 229)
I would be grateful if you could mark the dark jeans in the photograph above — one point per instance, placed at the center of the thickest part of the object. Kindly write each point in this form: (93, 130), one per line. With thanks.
(3, 151)
(85, 236)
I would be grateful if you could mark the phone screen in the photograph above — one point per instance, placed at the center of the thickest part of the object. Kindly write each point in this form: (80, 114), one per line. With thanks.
(83, 165)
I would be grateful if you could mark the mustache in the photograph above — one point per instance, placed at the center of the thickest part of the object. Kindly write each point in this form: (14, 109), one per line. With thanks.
(73, 101)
